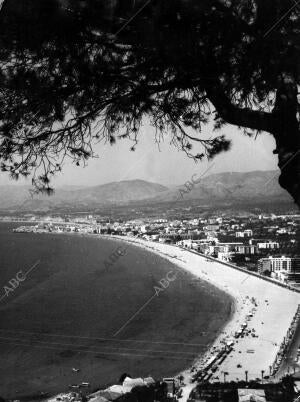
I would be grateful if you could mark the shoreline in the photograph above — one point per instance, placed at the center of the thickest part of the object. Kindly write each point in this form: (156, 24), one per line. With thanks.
(200, 358)
(185, 310)
(248, 293)
(143, 244)
(233, 305)
(255, 354)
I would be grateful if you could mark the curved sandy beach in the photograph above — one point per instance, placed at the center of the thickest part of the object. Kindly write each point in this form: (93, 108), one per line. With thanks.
(273, 310)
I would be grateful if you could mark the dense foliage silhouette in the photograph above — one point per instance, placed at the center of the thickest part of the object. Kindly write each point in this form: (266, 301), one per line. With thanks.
(76, 72)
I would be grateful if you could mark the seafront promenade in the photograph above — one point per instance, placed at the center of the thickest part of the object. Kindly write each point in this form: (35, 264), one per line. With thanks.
(255, 332)
(250, 342)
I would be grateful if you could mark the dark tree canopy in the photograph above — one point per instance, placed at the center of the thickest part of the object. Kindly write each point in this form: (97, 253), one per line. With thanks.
(77, 72)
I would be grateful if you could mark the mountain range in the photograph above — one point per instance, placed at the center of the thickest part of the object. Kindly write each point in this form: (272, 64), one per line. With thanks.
(212, 189)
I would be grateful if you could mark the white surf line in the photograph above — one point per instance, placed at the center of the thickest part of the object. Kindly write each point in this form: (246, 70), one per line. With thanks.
(1, 4)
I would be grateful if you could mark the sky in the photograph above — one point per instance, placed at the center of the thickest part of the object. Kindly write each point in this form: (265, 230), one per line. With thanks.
(166, 165)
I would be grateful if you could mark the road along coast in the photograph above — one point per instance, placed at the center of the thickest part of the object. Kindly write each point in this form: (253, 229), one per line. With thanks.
(263, 313)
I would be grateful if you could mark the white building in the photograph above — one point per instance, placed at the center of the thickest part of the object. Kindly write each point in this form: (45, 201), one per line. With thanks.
(145, 228)
(224, 256)
(245, 233)
(268, 245)
(248, 233)
(284, 269)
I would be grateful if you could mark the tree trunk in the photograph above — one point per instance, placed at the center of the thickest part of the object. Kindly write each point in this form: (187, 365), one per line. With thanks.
(289, 164)
(287, 136)
(282, 123)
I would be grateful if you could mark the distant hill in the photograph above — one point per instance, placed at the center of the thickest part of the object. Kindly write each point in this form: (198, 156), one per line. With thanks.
(212, 189)
(231, 186)
(18, 197)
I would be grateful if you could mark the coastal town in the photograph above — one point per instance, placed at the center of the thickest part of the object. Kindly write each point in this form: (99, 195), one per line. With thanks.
(254, 356)
(150, 201)
(267, 244)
